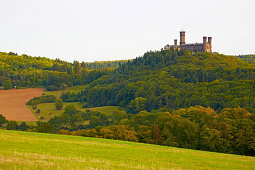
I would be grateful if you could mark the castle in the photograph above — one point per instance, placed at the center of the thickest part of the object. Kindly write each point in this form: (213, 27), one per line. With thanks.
(206, 46)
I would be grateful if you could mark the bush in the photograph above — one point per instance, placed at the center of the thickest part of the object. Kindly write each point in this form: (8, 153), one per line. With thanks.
(23, 126)
(42, 99)
(44, 127)
(59, 104)
(2, 120)
(38, 111)
(71, 110)
(12, 125)
(7, 85)
(63, 86)
(52, 88)
(86, 105)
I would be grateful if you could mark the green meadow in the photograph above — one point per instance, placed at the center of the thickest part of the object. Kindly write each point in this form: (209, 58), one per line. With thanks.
(48, 110)
(74, 89)
(26, 150)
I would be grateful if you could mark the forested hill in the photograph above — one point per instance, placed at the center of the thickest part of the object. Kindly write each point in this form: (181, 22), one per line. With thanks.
(99, 65)
(27, 71)
(249, 58)
(171, 80)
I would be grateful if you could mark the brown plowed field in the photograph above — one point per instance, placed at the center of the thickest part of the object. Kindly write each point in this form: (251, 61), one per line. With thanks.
(13, 103)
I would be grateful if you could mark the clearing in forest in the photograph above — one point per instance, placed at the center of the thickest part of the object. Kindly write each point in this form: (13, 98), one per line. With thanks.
(13, 103)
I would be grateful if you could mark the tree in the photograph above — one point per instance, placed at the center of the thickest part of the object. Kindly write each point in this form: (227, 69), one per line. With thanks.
(157, 136)
(7, 85)
(12, 125)
(211, 139)
(23, 126)
(44, 127)
(59, 104)
(145, 134)
(71, 110)
(137, 105)
(2, 120)
(63, 86)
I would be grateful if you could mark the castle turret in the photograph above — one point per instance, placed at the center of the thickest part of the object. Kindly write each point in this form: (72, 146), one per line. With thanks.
(205, 44)
(182, 37)
(175, 44)
(210, 44)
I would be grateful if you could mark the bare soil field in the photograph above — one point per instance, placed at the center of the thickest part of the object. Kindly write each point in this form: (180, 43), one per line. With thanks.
(13, 103)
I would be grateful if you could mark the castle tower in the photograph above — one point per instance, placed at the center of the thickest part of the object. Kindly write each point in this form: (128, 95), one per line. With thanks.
(175, 44)
(205, 44)
(210, 44)
(182, 37)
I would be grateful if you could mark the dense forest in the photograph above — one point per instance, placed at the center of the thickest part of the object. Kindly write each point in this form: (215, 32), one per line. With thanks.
(175, 98)
(27, 71)
(170, 80)
(99, 65)
(249, 58)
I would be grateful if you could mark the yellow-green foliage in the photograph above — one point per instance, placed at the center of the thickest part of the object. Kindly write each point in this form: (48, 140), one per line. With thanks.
(23, 150)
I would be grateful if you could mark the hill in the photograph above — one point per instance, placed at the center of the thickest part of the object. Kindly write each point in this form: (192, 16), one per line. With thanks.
(105, 64)
(175, 98)
(46, 151)
(249, 58)
(27, 71)
(173, 80)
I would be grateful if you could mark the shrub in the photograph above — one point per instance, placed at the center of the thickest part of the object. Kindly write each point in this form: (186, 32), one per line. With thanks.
(7, 85)
(44, 127)
(2, 120)
(12, 125)
(52, 88)
(42, 99)
(86, 105)
(23, 126)
(63, 86)
(59, 104)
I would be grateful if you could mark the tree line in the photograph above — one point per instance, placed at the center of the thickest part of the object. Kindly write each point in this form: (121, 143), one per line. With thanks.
(230, 131)
(26, 71)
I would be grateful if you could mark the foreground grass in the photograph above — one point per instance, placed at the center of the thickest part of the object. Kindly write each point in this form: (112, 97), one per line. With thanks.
(23, 150)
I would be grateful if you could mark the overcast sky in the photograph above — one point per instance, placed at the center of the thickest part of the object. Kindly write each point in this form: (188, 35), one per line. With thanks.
(96, 30)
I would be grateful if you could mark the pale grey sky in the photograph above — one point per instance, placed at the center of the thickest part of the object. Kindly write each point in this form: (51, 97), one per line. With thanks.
(90, 30)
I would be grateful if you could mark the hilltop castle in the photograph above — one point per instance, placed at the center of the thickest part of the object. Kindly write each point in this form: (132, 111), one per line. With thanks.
(206, 46)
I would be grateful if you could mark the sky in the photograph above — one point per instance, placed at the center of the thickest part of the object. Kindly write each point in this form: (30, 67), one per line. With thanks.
(103, 30)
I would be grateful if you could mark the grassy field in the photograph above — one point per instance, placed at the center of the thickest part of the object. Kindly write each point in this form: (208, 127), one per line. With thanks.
(107, 110)
(48, 110)
(24, 150)
(75, 89)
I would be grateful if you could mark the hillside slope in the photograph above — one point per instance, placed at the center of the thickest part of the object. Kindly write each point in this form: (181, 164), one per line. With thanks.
(46, 151)
(27, 71)
(173, 80)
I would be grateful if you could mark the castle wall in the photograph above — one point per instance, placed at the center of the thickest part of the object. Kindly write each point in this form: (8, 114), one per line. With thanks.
(199, 47)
